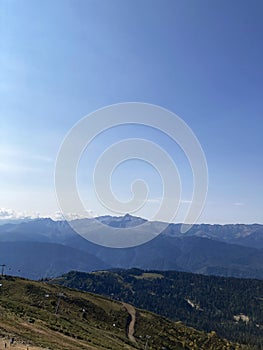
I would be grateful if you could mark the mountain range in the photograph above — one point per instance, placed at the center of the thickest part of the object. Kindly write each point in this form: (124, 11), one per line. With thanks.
(43, 248)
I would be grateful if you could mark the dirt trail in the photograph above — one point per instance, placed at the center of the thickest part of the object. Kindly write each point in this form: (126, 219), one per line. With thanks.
(132, 312)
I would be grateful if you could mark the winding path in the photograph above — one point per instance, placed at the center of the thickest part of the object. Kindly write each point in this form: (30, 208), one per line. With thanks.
(132, 312)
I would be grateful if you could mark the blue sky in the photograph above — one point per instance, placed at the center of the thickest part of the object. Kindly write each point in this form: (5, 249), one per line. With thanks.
(61, 60)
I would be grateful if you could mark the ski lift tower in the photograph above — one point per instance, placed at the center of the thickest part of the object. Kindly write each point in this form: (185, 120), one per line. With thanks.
(60, 295)
(3, 269)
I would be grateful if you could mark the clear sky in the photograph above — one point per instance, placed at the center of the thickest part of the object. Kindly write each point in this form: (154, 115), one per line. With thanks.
(203, 60)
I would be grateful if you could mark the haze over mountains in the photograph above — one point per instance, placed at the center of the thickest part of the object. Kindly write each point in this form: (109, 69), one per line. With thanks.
(45, 248)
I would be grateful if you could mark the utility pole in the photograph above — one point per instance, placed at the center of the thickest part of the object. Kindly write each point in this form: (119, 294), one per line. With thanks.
(3, 269)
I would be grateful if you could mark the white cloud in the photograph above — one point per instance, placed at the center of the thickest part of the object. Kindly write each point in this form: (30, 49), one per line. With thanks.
(186, 201)
(238, 204)
(15, 162)
(158, 200)
(15, 152)
(17, 168)
(72, 216)
(10, 214)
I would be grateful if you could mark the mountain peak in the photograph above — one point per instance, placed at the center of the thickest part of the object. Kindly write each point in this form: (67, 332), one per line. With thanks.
(127, 220)
(129, 217)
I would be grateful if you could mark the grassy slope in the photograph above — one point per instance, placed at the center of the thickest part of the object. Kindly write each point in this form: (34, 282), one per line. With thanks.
(29, 315)
(204, 302)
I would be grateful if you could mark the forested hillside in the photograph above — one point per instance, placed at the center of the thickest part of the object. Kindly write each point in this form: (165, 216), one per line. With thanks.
(55, 317)
(230, 306)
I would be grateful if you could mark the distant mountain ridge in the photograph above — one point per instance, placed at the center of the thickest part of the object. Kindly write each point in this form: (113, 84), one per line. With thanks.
(243, 234)
(224, 250)
(37, 260)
